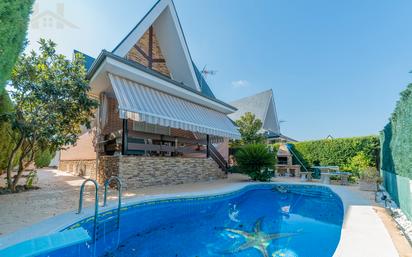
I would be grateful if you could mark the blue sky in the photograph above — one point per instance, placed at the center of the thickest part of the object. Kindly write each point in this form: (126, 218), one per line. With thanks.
(336, 67)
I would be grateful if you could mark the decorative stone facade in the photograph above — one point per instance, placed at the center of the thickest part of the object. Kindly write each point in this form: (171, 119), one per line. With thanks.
(138, 171)
(83, 168)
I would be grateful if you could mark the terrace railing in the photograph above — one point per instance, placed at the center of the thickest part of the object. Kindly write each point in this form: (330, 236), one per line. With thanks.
(217, 157)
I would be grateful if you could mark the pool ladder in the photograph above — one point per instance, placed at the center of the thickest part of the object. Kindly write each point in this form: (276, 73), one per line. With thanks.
(96, 200)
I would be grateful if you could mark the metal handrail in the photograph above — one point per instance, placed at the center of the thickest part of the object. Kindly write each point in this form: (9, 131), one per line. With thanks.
(119, 188)
(297, 158)
(96, 202)
(217, 157)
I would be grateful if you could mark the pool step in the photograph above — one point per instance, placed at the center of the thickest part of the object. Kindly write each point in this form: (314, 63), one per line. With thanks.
(46, 244)
(107, 225)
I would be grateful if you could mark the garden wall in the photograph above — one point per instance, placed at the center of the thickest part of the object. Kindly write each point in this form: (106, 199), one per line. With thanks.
(83, 168)
(400, 189)
(396, 153)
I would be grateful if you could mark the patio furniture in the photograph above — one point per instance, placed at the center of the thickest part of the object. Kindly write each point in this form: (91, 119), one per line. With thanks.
(305, 176)
(325, 177)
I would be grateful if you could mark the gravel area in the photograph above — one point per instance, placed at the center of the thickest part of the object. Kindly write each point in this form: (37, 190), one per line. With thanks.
(59, 193)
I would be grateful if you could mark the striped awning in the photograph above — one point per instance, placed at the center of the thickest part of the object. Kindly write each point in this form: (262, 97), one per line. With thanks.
(141, 103)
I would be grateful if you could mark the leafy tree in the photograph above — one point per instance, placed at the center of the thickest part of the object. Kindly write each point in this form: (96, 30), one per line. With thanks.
(255, 160)
(51, 100)
(249, 127)
(14, 19)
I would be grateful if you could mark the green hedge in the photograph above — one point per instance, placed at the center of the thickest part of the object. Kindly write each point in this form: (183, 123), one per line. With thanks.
(43, 158)
(14, 18)
(339, 152)
(5, 130)
(396, 138)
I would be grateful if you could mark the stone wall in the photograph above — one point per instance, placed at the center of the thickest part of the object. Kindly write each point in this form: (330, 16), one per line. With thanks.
(83, 168)
(139, 171)
(108, 166)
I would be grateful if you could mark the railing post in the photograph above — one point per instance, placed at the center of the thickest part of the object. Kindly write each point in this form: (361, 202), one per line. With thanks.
(124, 137)
(96, 203)
(207, 147)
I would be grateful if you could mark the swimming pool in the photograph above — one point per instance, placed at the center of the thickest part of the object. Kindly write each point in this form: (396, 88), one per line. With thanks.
(258, 220)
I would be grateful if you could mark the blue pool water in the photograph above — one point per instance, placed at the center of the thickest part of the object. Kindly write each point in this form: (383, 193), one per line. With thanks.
(263, 220)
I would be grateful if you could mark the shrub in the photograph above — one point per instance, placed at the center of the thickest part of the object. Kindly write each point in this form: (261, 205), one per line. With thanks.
(255, 160)
(369, 174)
(43, 158)
(31, 179)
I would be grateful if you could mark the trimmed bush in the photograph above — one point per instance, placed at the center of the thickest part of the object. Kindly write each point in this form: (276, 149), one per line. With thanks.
(255, 161)
(343, 152)
(396, 139)
(43, 158)
(14, 19)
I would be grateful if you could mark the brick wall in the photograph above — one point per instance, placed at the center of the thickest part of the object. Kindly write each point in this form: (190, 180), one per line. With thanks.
(83, 168)
(114, 123)
(143, 44)
(137, 171)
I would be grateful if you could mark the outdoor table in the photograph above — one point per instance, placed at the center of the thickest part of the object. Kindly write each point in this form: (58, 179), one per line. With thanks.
(325, 177)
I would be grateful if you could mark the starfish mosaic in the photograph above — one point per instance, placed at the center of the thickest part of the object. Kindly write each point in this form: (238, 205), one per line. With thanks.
(257, 239)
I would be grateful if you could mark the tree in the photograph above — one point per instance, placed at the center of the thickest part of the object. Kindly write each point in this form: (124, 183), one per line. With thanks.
(14, 19)
(255, 160)
(50, 95)
(249, 127)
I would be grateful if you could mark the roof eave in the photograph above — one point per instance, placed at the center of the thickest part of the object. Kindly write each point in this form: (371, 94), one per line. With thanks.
(104, 54)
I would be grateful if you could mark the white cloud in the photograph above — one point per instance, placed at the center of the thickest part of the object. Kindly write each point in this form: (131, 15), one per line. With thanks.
(240, 83)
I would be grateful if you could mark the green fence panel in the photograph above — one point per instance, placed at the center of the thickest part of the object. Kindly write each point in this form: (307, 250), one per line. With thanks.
(400, 189)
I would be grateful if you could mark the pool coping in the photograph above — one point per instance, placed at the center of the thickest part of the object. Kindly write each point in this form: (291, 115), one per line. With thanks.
(357, 213)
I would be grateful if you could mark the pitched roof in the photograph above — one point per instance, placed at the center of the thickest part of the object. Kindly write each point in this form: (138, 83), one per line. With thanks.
(151, 16)
(166, 25)
(88, 60)
(204, 87)
(262, 105)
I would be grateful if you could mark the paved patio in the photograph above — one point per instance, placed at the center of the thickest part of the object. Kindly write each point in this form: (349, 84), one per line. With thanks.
(367, 231)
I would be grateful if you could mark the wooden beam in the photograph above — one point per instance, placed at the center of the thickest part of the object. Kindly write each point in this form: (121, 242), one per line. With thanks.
(141, 52)
(161, 60)
(150, 47)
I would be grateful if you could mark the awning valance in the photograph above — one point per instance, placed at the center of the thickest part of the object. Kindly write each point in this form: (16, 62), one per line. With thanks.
(142, 103)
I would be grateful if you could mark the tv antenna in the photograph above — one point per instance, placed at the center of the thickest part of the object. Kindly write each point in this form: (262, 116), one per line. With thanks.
(207, 72)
